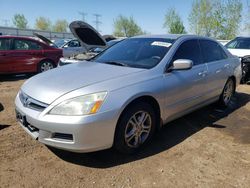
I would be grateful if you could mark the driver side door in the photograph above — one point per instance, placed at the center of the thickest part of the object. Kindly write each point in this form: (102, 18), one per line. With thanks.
(184, 89)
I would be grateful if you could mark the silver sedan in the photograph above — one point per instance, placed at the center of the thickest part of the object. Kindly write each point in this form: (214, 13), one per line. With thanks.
(120, 97)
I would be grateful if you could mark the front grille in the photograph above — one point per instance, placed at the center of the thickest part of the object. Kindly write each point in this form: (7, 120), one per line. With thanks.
(31, 103)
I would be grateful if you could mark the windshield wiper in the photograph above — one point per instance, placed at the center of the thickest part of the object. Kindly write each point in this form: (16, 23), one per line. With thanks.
(116, 63)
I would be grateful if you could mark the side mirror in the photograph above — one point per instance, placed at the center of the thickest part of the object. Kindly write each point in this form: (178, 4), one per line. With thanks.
(182, 64)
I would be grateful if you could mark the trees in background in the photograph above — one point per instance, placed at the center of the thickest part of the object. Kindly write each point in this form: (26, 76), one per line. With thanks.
(216, 18)
(213, 18)
(173, 22)
(247, 26)
(60, 26)
(20, 21)
(43, 23)
(126, 27)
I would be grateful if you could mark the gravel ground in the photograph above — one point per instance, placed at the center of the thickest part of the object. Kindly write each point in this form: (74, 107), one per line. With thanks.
(208, 148)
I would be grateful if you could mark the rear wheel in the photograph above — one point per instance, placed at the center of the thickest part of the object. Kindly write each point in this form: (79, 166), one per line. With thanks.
(135, 128)
(45, 65)
(227, 93)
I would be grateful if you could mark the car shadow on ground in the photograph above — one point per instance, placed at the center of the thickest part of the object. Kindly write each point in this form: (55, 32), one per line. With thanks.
(169, 136)
(13, 77)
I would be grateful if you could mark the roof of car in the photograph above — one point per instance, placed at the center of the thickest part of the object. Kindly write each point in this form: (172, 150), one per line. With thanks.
(168, 36)
(22, 37)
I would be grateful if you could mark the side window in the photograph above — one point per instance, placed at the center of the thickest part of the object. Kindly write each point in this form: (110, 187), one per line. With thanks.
(243, 44)
(4, 44)
(212, 51)
(26, 45)
(189, 50)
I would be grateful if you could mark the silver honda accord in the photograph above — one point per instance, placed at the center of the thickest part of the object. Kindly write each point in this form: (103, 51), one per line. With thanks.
(120, 97)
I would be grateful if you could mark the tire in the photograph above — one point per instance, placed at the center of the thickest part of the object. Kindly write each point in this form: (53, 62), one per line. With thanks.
(45, 65)
(131, 134)
(227, 93)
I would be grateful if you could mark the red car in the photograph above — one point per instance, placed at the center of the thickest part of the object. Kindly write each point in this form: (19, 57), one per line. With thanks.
(27, 55)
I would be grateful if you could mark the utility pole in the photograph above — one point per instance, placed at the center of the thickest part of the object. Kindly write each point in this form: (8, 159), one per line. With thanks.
(83, 14)
(97, 21)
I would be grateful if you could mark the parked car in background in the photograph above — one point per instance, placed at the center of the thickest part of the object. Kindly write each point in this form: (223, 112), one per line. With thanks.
(27, 55)
(240, 47)
(122, 95)
(87, 55)
(72, 47)
(60, 42)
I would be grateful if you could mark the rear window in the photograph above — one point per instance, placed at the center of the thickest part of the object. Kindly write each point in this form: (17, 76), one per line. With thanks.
(212, 51)
(4, 44)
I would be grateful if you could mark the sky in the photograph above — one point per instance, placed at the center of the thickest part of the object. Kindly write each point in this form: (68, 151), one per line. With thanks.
(148, 14)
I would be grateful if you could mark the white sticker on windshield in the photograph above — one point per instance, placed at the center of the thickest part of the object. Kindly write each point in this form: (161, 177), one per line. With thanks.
(159, 43)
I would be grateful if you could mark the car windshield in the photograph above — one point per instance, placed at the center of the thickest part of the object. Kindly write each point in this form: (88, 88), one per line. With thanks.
(136, 52)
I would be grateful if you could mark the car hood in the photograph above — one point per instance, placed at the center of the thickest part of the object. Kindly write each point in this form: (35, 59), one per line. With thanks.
(46, 40)
(88, 36)
(48, 86)
(239, 52)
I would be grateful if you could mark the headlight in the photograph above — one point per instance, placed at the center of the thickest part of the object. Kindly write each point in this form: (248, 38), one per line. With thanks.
(82, 105)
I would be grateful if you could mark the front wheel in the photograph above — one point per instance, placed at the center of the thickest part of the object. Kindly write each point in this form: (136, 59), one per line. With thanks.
(45, 65)
(135, 128)
(227, 93)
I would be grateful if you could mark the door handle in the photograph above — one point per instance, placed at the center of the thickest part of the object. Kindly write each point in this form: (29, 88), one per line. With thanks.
(203, 73)
(218, 71)
(3, 54)
(227, 66)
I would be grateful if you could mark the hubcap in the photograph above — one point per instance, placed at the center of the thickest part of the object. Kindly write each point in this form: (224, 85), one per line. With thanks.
(138, 129)
(228, 92)
(46, 66)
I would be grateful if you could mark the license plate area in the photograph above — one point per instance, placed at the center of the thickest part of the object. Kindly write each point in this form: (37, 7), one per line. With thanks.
(22, 119)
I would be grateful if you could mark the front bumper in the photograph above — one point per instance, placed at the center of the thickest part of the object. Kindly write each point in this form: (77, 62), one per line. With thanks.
(73, 133)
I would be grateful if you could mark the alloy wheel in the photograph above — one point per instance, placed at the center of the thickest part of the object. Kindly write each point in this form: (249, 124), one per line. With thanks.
(138, 129)
(46, 66)
(228, 91)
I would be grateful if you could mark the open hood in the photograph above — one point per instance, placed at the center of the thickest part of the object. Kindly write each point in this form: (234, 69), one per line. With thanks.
(89, 37)
(44, 39)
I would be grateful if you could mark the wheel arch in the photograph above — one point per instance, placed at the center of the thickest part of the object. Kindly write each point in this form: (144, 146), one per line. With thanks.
(234, 80)
(147, 99)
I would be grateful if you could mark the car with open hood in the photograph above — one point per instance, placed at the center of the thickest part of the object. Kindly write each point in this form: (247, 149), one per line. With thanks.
(27, 55)
(123, 95)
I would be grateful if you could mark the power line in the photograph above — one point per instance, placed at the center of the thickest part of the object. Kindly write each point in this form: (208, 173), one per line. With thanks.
(97, 21)
(83, 14)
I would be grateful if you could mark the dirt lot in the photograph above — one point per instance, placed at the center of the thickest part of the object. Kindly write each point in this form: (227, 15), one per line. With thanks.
(208, 148)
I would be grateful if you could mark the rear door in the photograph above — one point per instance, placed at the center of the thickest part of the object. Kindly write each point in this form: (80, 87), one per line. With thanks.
(25, 55)
(4, 55)
(218, 66)
(185, 88)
